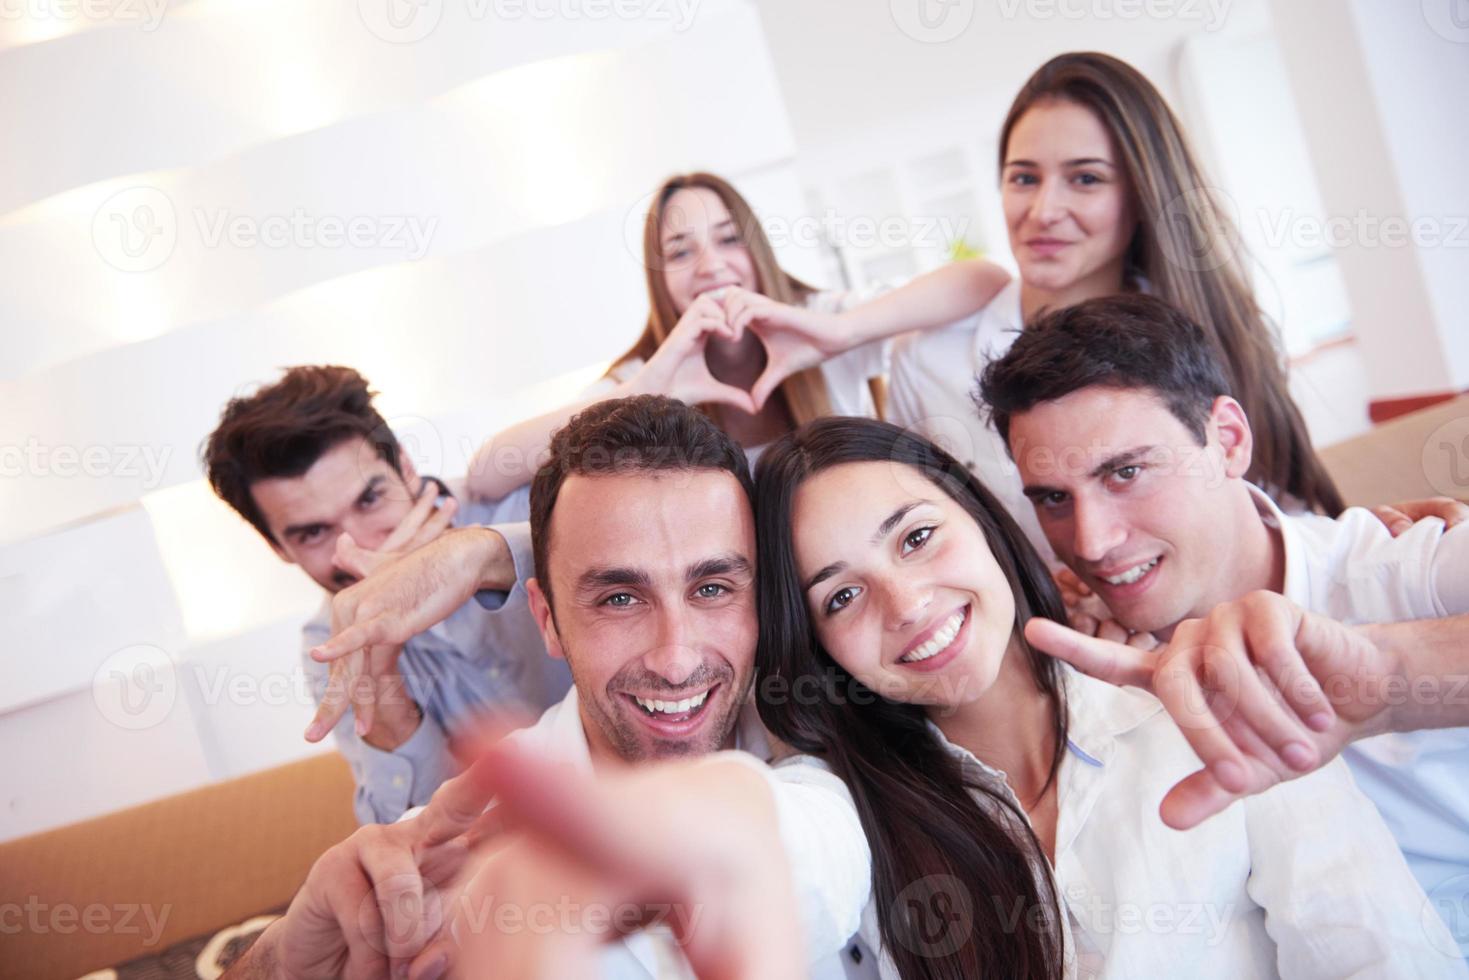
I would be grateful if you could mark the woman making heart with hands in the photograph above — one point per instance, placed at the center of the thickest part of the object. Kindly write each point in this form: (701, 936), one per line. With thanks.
(728, 329)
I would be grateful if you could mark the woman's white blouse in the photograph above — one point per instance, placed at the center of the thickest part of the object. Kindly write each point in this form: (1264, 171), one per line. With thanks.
(1303, 880)
(931, 391)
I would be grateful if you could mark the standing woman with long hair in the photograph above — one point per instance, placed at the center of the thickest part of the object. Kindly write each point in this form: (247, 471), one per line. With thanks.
(1103, 195)
(731, 331)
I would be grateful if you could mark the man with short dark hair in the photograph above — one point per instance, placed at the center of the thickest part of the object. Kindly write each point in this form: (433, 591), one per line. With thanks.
(644, 532)
(314, 468)
(1134, 456)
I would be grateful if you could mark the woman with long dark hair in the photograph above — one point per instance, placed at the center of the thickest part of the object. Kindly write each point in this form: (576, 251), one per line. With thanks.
(1002, 794)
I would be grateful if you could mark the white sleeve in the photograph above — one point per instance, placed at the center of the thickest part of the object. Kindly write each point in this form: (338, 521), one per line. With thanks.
(831, 864)
(1338, 896)
(1448, 575)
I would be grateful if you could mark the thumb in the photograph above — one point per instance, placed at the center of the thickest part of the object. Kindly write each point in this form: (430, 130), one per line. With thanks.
(1194, 799)
(1115, 663)
(724, 394)
(770, 379)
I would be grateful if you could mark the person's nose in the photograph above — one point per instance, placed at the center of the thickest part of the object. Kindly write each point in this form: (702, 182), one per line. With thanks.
(906, 602)
(1096, 531)
(674, 655)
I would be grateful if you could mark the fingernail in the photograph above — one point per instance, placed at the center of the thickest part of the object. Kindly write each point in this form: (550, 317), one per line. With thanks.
(1231, 775)
(361, 727)
(1298, 756)
(1320, 721)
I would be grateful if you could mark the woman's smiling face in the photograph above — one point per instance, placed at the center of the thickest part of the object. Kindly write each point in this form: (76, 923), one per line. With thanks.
(901, 585)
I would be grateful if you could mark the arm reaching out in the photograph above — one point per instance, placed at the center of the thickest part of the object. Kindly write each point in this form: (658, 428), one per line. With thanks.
(697, 842)
(1265, 691)
(797, 338)
(379, 898)
(399, 599)
(677, 369)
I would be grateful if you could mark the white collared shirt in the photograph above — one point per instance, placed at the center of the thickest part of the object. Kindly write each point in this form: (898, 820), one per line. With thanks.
(1300, 881)
(1353, 570)
(931, 388)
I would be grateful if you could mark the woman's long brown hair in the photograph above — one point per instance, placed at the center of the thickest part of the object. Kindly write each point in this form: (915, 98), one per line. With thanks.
(1188, 251)
(961, 883)
(804, 393)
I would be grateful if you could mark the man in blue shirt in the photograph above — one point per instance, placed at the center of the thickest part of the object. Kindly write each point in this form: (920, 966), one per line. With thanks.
(310, 463)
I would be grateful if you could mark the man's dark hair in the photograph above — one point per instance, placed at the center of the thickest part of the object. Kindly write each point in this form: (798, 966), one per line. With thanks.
(284, 428)
(1123, 341)
(644, 433)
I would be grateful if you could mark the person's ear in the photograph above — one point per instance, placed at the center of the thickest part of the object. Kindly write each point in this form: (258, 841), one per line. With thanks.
(540, 608)
(1228, 423)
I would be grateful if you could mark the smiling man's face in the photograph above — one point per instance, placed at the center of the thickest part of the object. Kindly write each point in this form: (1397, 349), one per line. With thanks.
(1130, 499)
(652, 579)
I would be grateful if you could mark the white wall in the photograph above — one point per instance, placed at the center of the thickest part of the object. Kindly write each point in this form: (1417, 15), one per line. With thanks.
(1379, 89)
(157, 635)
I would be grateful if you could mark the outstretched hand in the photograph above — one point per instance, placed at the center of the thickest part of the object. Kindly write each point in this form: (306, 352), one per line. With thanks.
(1262, 690)
(619, 842)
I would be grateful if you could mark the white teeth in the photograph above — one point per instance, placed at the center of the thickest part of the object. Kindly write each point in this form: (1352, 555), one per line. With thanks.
(672, 707)
(939, 640)
(1132, 574)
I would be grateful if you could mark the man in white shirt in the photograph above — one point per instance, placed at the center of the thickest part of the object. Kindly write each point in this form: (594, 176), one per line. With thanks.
(1133, 455)
(644, 548)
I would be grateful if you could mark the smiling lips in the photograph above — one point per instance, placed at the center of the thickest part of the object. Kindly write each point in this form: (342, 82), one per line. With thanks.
(940, 639)
(676, 714)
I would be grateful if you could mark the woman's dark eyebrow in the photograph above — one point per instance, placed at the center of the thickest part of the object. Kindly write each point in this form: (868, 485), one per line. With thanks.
(1078, 162)
(883, 530)
(823, 575)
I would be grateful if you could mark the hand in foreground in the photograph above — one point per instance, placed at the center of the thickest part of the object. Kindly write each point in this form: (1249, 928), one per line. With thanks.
(374, 902)
(1262, 690)
(693, 845)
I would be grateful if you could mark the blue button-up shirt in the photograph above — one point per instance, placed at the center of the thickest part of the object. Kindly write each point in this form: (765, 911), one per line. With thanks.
(488, 654)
